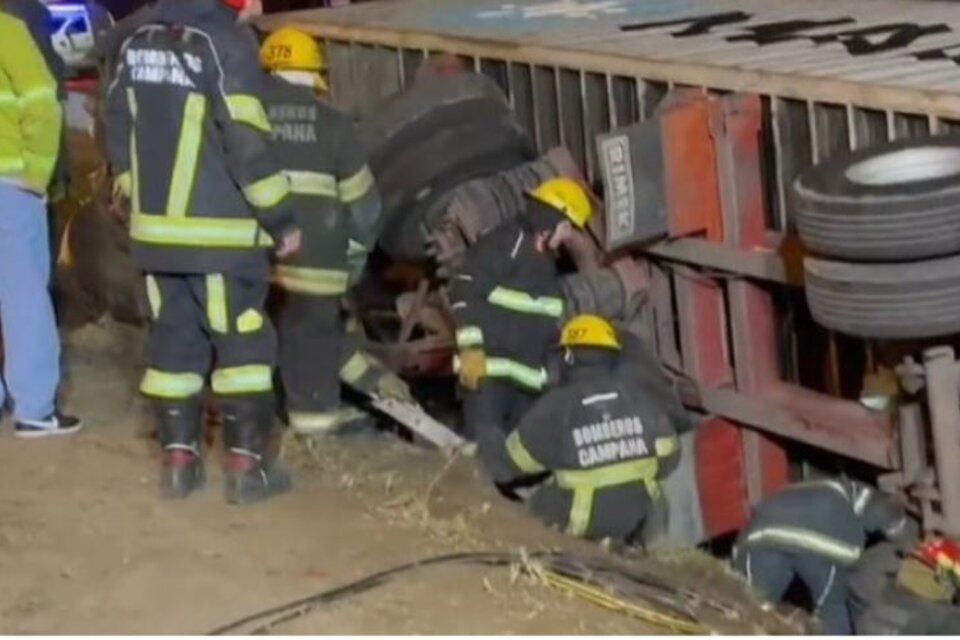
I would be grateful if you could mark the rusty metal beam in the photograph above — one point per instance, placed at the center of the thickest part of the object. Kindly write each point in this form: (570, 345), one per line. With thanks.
(760, 264)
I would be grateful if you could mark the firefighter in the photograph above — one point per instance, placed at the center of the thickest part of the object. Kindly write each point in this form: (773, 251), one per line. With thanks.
(506, 301)
(338, 210)
(599, 441)
(189, 142)
(816, 531)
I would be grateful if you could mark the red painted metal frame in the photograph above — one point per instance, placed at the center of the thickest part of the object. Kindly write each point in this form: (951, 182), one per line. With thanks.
(736, 124)
(694, 207)
(726, 322)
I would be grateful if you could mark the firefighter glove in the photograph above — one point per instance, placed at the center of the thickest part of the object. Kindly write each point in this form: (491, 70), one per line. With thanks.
(473, 367)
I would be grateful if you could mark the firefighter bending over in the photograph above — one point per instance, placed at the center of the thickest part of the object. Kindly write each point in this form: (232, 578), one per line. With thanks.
(507, 301)
(338, 210)
(601, 441)
(189, 141)
(816, 531)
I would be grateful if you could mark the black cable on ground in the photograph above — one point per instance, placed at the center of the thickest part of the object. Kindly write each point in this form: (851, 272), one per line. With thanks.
(292, 610)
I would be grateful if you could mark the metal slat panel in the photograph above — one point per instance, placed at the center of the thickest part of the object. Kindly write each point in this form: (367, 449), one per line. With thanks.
(609, 36)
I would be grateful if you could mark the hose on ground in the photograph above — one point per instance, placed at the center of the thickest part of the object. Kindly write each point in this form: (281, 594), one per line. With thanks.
(554, 569)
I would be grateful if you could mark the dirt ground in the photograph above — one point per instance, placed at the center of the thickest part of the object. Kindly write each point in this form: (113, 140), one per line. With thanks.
(86, 546)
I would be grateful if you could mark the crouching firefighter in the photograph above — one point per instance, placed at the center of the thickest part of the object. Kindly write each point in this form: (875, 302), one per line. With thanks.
(600, 442)
(189, 141)
(338, 210)
(816, 531)
(507, 303)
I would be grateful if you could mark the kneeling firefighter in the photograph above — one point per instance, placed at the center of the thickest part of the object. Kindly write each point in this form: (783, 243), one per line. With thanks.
(601, 441)
(816, 531)
(507, 302)
(337, 208)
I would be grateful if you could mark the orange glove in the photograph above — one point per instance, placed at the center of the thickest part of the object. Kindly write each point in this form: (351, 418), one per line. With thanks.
(473, 368)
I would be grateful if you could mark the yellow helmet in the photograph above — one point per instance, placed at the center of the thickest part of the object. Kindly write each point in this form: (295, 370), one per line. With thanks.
(290, 49)
(568, 197)
(588, 330)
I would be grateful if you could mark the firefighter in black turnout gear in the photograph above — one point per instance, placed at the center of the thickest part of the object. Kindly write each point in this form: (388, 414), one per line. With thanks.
(602, 442)
(507, 302)
(338, 210)
(816, 531)
(189, 142)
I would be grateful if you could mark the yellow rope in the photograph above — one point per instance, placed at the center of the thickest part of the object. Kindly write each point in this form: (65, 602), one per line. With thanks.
(609, 601)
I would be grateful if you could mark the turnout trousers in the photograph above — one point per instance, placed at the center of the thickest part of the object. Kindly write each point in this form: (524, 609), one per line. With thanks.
(770, 571)
(491, 413)
(311, 331)
(211, 325)
(495, 407)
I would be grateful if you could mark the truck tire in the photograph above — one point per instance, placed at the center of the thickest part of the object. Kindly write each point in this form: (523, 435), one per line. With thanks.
(428, 139)
(897, 202)
(893, 301)
(430, 104)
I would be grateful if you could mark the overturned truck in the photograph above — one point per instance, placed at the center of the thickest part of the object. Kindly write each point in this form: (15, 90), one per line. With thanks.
(791, 311)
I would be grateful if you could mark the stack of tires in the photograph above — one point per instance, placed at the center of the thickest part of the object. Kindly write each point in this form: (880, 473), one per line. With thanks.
(882, 227)
(426, 141)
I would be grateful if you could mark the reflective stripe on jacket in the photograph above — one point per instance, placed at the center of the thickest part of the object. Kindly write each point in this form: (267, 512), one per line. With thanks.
(506, 300)
(189, 138)
(332, 189)
(31, 117)
(829, 517)
(603, 439)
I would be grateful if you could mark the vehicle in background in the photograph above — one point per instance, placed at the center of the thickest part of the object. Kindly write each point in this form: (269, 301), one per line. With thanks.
(72, 34)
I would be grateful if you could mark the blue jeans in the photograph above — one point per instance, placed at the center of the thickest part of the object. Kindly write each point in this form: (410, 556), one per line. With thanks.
(31, 345)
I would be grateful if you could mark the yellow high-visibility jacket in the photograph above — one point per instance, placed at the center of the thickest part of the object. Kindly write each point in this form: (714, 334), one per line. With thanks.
(30, 116)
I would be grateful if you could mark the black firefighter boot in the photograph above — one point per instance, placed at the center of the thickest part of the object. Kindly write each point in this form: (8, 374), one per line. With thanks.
(253, 472)
(179, 424)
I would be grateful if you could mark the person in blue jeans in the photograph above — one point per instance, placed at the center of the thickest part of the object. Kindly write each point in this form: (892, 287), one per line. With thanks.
(30, 126)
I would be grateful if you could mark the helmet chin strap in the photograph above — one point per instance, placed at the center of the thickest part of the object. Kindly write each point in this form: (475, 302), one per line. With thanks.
(302, 78)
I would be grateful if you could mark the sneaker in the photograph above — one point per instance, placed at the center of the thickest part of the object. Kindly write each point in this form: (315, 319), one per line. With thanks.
(56, 424)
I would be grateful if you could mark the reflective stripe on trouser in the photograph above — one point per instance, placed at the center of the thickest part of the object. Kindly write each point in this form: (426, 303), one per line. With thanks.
(324, 422)
(171, 385)
(585, 482)
(191, 324)
(308, 280)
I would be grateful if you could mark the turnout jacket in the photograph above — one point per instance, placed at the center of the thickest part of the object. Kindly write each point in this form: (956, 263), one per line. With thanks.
(506, 300)
(189, 138)
(333, 194)
(603, 440)
(830, 518)
(31, 118)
